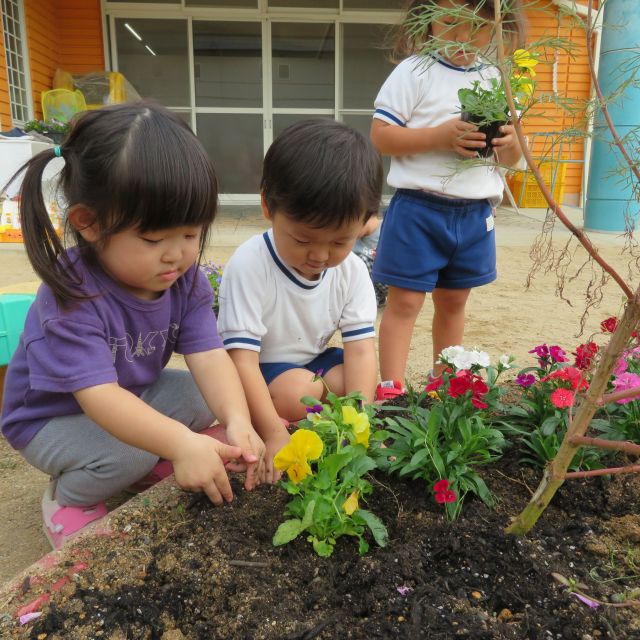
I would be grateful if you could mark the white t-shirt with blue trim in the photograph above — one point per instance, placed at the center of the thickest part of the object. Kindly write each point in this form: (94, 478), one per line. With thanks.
(423, 92)
(267, 307)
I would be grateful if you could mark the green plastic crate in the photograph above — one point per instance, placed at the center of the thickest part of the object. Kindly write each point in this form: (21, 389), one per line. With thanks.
(13, 311)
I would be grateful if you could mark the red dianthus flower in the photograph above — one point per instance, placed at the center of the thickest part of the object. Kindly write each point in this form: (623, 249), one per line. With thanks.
(561, 398)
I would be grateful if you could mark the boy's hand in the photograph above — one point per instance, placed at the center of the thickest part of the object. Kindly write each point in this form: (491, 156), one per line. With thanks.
(460, 137)
(199, 466)
(274, 443)
(244, 436)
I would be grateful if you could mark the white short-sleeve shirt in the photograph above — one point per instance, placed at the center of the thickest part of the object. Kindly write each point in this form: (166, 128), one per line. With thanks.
(267, 307)
(423, 92)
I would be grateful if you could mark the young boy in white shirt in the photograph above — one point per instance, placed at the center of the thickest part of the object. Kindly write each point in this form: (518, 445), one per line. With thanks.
(287, 291)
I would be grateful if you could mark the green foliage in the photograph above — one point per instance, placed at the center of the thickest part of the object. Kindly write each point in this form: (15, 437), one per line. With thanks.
(485, 105)
(452, 435)
(448, 440)
(325, 503)
(214, 276)
(48, 126)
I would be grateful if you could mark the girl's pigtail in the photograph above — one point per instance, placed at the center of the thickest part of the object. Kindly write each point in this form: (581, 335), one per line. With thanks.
(44, 247)
(403, 40)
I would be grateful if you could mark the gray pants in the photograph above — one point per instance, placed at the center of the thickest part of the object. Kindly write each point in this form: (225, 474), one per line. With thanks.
(89, 464)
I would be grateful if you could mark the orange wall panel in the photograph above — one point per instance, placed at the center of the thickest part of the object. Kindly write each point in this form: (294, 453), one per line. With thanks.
(43, 42)
(64, 34)
(81, 42)
(5, 109)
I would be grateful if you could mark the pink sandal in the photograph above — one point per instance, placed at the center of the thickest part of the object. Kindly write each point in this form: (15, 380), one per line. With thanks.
(164, 468)
(62, 523)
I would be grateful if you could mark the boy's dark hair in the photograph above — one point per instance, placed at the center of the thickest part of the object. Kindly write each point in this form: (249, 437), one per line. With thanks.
(405, 42)
(322, 173)
(134, 165)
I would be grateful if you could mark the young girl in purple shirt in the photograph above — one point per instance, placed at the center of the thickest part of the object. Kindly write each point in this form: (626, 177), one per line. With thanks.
(88, 400)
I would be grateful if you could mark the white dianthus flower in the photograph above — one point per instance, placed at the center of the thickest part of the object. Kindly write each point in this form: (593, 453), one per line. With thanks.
(448, 354)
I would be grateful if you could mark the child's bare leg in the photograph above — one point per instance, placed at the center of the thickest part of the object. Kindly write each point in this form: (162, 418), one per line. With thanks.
(396, 329)
(287, 389)
(448, 321)
(334, 379)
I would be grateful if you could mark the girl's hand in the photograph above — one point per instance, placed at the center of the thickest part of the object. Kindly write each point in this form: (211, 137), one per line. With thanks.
(199, 466)
(509, 140)
(244, 436)
(274, 443)
(507, 147)
(460, 137)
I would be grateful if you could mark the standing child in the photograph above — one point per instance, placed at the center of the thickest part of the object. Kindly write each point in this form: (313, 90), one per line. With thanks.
(438, 232)
(287, 291)
(365, 249)
(87, 398)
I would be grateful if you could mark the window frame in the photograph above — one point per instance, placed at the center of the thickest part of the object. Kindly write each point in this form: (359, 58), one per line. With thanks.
(18, 79)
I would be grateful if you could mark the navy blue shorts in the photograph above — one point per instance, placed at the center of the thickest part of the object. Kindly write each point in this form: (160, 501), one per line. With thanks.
(331, 357)
(430, 241)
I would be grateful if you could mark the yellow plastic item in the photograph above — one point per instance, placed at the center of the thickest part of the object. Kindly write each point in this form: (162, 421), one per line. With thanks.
(117, 90)
(526, 192)
(63, 80)
(62, 104)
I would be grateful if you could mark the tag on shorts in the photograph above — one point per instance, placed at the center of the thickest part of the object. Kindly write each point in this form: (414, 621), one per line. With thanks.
(490, 223)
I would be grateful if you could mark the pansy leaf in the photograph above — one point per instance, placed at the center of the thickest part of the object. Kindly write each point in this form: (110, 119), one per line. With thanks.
(309, 401)
(307, 519)
(336, 461)
(363, 546)
(377, 528)
(361, 465)
(322, 547)
(287, 531)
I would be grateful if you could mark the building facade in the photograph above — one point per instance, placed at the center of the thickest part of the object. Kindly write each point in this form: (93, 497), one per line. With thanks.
(240, 71)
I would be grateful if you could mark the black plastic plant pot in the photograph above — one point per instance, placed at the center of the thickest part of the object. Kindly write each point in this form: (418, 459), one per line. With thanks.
(490, 129)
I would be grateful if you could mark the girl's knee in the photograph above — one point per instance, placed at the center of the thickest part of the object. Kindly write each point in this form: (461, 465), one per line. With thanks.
(102, 479)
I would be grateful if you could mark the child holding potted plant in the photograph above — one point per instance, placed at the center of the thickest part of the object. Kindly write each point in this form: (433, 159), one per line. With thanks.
(438, 232)
(286, 292)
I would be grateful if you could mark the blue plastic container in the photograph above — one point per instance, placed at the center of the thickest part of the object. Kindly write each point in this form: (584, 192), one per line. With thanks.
(13, 311)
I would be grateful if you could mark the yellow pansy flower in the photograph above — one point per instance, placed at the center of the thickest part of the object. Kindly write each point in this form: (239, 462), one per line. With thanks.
(351, 503)
(294, 457)
(359, 423)
(523, 59)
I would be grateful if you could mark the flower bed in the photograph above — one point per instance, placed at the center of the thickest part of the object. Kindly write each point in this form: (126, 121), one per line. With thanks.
(181, 568)
(391, 524)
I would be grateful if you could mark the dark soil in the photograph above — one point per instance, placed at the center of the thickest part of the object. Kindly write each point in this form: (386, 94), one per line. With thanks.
(181, 568)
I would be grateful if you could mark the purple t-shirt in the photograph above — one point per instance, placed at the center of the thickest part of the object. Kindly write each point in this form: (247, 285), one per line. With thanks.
(114, 337)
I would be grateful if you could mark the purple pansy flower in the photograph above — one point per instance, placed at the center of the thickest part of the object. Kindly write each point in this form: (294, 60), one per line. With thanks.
(316, 408)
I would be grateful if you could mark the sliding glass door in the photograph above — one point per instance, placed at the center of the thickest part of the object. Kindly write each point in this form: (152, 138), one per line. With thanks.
(240, 81)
